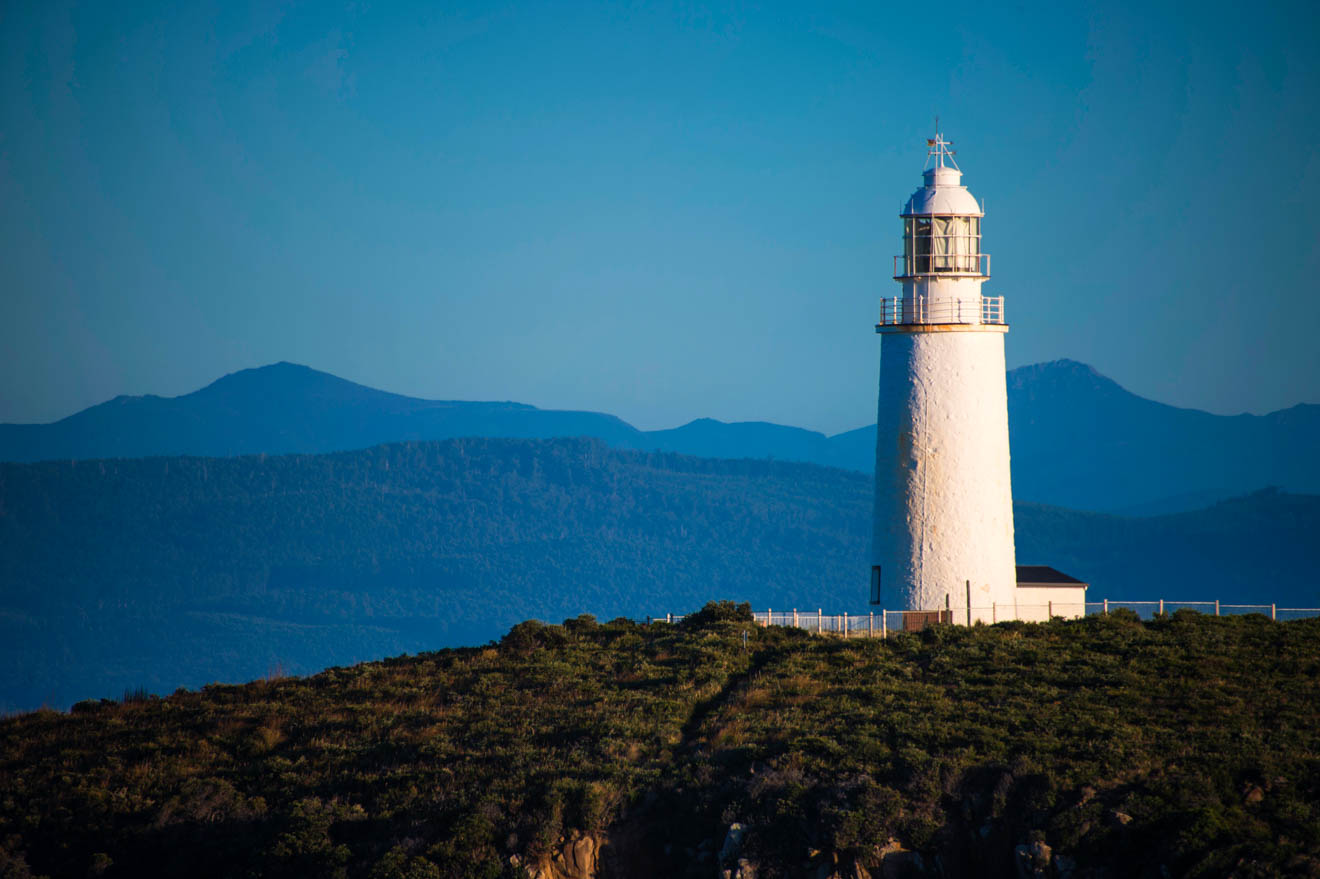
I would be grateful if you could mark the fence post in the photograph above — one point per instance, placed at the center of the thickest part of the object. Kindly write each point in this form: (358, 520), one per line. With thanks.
(1161, 607)
(870, 624)
(969, 582)
(1273, 612)
(1216, 607)
(845, 624)
(820, 620)
(795, 619)
(884, 625)
(994, 612)
(669, 617)
(769, 616)
(1106, 610)
(1049, 609)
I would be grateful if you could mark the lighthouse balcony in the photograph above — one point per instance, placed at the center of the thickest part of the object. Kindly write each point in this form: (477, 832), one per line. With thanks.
(918, 310)
(941, 265)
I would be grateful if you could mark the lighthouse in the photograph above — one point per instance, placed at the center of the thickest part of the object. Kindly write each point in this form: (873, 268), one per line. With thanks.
(943, 525)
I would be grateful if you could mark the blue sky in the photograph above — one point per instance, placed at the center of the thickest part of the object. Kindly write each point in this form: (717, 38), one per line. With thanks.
(660, 211)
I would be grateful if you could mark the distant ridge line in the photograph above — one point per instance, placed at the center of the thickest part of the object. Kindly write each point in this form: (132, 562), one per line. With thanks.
(1079, 439)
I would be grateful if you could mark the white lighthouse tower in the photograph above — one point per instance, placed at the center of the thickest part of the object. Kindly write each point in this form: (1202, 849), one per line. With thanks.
(943, 537)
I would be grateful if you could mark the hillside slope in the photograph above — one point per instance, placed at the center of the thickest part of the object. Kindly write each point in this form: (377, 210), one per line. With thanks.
(1095, 748)
(165, 572)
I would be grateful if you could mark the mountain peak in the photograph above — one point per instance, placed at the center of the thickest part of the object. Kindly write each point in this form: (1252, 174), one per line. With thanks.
(282, 372)
(1064, 366)
(289, 383)
(1062, 375)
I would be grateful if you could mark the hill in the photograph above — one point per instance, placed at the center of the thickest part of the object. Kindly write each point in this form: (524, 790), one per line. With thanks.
(286, 408)
(1102, 747)
(1082, 441)
(280, 409)
(1079, 440)
(167, 572)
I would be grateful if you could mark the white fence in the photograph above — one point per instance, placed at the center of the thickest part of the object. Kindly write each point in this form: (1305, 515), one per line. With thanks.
(878, 624)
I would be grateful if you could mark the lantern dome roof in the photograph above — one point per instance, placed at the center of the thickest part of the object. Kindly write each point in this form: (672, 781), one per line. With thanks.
(942, 193)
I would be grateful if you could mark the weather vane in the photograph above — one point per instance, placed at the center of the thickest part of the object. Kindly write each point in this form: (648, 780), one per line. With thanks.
(939, 148)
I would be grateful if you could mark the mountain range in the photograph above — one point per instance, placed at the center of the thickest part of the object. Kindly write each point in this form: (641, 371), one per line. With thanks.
(163, 572)
(1079, 440)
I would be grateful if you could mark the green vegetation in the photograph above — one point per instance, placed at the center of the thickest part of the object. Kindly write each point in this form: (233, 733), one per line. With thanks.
(1188, 744)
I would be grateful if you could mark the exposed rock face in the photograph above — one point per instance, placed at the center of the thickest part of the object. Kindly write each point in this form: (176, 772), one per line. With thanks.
(892, 861)
(1033, 861)
(744, 869)
(580, 856)
(732, 843)
(730, 865)
(577, 858)
(598, 856)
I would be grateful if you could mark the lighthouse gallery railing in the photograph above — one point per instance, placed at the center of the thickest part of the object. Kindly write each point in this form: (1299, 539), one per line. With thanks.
(921, 310)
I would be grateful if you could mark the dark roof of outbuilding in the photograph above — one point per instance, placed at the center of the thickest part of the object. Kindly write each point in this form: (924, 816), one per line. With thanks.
(1044, 575)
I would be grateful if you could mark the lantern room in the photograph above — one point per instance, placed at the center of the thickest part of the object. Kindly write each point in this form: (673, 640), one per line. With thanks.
(941, 224)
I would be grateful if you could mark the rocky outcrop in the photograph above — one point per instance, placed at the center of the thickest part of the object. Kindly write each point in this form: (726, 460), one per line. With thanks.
(622, 853)
(1034, 861)
(731, 865)
(892, 861)
(744, 869)
(576, 858)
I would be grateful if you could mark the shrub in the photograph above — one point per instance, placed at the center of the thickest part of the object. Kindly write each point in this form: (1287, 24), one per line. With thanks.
(533, 635)
(718, 612)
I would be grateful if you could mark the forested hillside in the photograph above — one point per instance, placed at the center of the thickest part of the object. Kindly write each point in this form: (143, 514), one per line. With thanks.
(1104, 747)
(168, 572)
